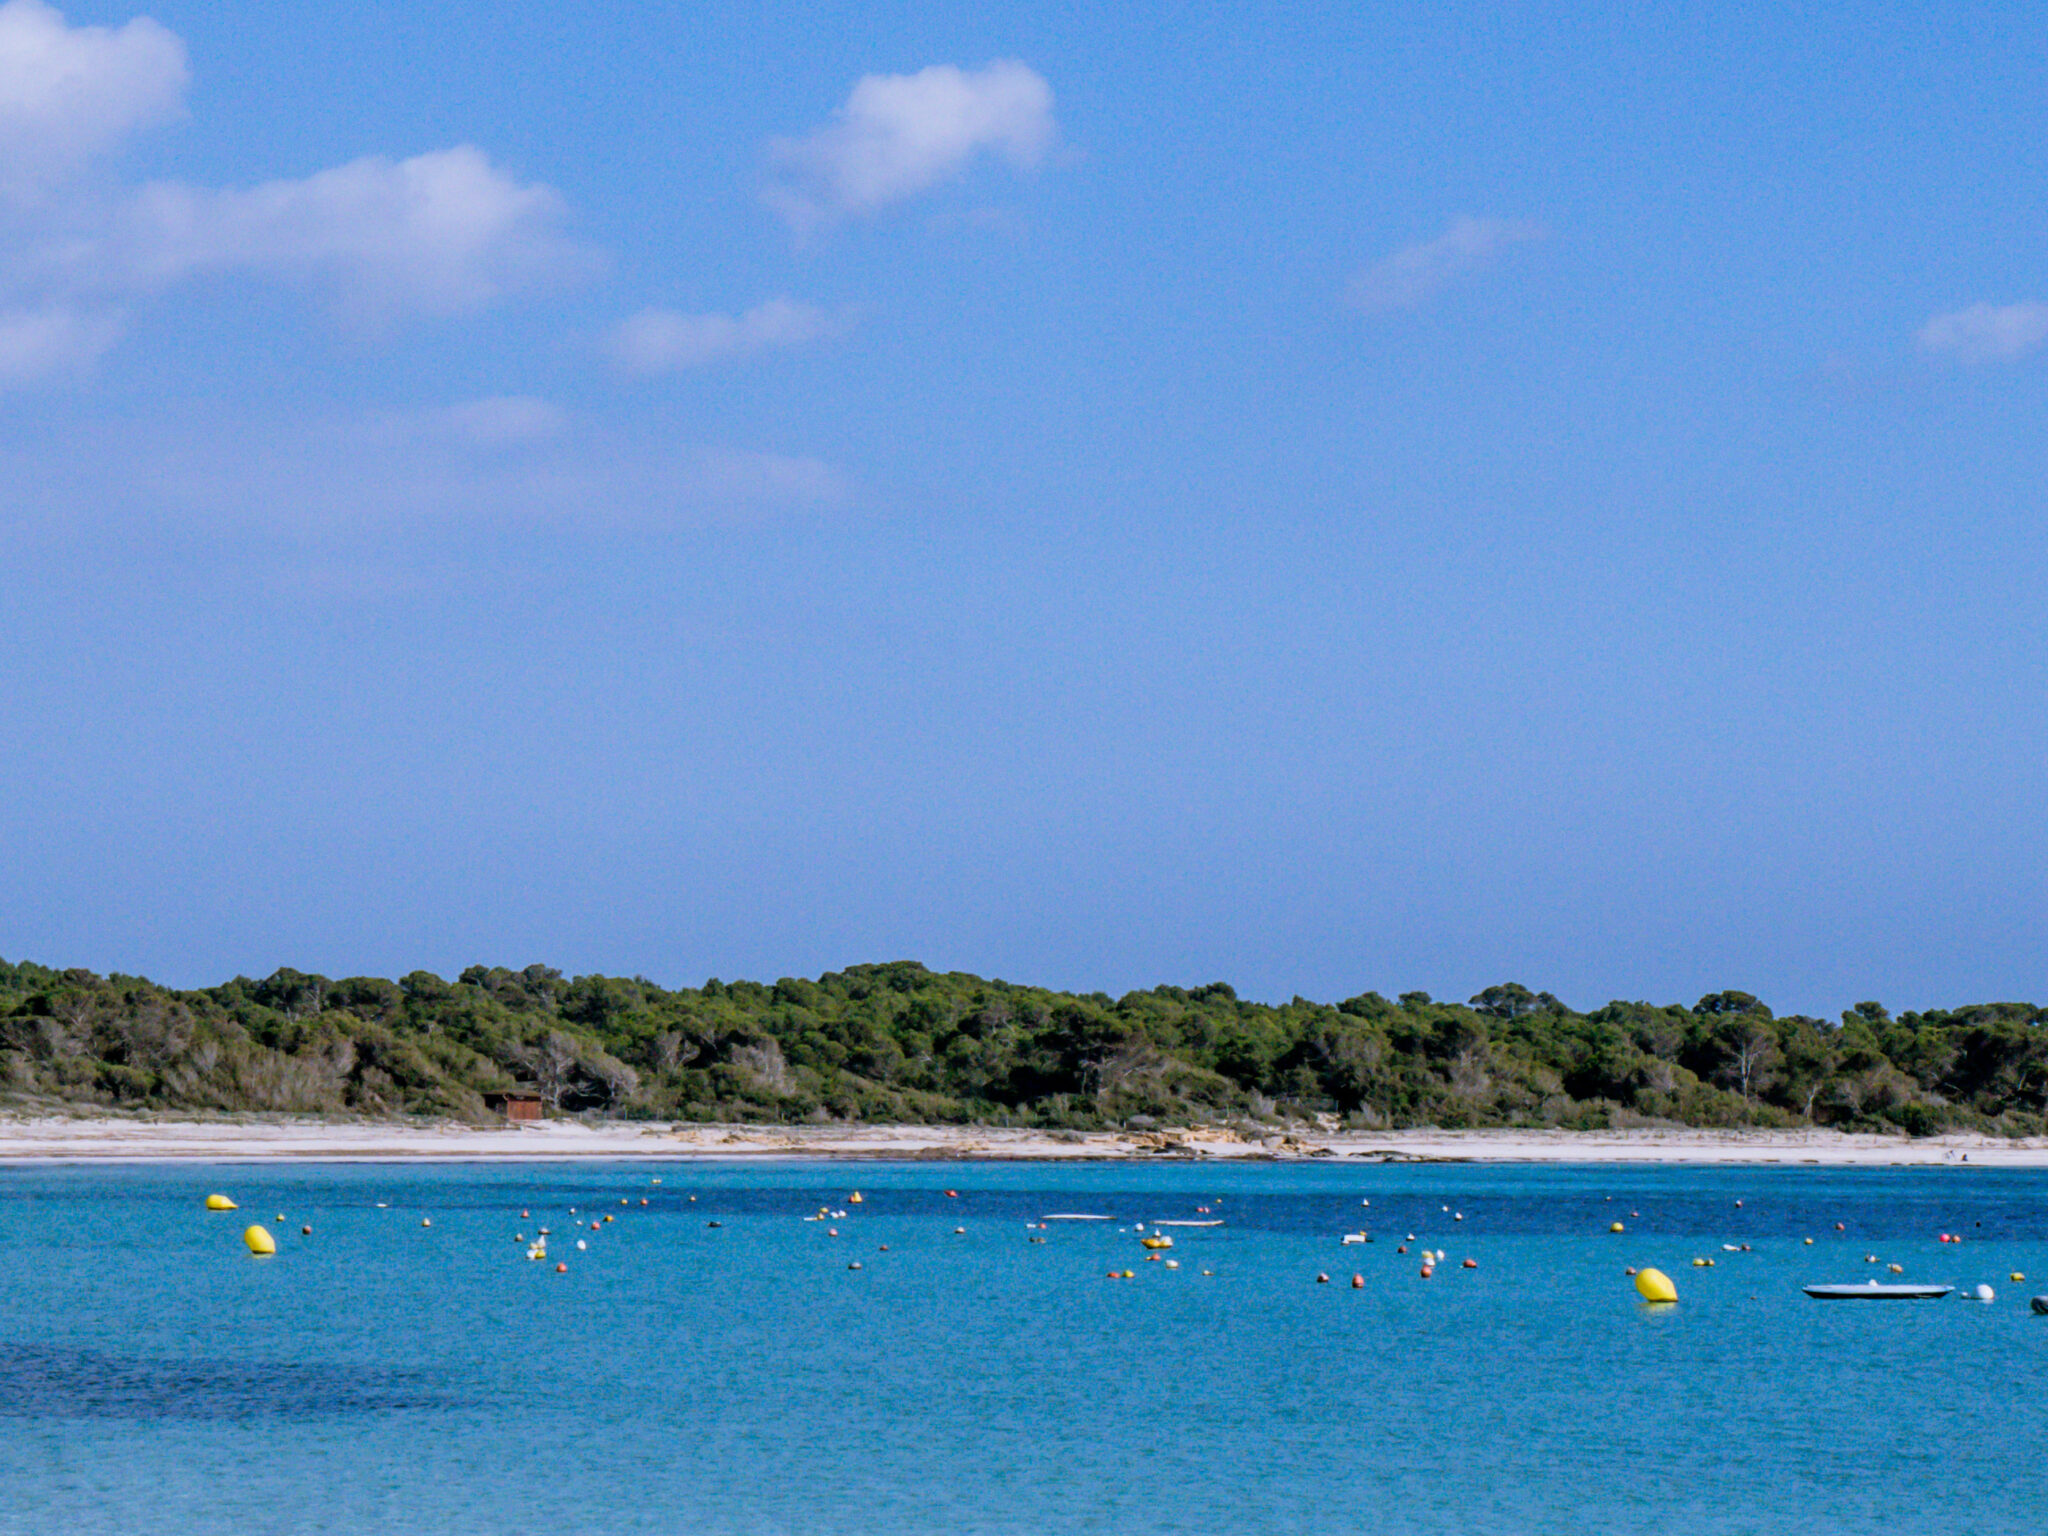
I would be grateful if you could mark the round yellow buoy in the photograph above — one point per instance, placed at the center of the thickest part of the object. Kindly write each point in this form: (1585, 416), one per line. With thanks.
(1617, 1227)
(1655, 1285)
(219, 1203)
(2017, 1277)
(260, 1241)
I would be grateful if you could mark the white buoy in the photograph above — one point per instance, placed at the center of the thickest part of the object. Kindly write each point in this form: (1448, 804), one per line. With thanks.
(1985, 1293)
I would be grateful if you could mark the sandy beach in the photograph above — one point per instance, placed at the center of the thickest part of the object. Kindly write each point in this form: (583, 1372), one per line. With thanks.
(113, 1138)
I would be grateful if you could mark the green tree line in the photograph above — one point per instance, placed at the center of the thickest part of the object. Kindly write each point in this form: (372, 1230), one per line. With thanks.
(900, 1043)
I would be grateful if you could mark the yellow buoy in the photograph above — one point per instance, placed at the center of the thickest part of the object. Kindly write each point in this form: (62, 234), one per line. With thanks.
(259, 1240)
(1617, 1227)
(219, 1203)
(854, 1198)
(1655, 1285)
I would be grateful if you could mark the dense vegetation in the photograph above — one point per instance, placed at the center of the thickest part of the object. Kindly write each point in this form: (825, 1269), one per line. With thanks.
(901, 1043)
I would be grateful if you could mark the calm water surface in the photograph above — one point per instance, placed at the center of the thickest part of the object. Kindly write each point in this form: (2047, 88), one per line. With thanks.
(384, 1376)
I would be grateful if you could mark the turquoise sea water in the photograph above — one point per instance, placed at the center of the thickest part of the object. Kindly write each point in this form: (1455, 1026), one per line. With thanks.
(384, 1376)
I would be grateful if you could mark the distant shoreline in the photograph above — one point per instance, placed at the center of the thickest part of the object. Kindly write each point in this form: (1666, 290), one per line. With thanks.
(110, 1138)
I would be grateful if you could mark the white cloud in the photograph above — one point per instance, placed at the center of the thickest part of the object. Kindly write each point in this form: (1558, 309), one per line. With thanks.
(70, 93)
(498, 421)
(440, 233)
(510, 464)
(40, 344)
(1412, 276)
(900, 135)
(1987, 333)
(764, 481)
(661, 340)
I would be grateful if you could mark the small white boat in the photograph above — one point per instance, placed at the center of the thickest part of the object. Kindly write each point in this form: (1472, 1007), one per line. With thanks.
(1187, 1223)
(1356, 1237)
(1871, 1290)
(1071, 1216)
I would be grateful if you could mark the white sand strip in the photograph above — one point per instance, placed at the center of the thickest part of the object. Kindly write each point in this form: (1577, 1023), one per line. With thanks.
(120, 1138)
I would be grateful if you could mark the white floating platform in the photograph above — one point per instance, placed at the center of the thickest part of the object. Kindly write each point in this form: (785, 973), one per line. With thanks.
(1871, 1290)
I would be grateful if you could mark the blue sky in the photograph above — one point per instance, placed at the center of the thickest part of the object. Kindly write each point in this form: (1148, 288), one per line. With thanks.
(1390, 498)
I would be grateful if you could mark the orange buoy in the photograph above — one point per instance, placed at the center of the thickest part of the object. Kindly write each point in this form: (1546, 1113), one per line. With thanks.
(1358, 1282)
(561, 1269)
(1470, 1264)
(952, 1194)
(305, 1231)
(1428, 1270)
(1630, 1270)
(1322, 1279)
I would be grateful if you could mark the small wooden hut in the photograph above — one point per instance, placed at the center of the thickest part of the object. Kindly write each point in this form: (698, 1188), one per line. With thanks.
(515, 1105)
